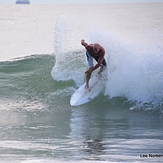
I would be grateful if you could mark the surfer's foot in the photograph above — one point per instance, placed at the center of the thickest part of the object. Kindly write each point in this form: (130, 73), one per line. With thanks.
(87, 87)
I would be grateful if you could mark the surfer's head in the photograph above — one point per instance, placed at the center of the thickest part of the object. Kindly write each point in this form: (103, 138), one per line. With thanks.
(96, 48)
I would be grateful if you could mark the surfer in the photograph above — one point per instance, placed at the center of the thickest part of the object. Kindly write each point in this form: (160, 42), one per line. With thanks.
(97, 52)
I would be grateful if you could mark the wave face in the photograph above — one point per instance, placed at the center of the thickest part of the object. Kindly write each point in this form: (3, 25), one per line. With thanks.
(26, 83)
(134, 74)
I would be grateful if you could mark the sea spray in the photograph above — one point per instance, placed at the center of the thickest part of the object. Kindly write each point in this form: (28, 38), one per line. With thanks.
(69, 59)
(134, 72)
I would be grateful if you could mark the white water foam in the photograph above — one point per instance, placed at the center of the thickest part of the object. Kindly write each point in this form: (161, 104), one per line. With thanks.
(134, 71)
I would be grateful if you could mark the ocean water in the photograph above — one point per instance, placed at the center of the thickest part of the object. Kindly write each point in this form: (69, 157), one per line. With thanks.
(42, 63)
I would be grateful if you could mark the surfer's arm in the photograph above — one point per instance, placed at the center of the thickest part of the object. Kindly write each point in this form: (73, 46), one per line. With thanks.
(100, 60)
(98, 64)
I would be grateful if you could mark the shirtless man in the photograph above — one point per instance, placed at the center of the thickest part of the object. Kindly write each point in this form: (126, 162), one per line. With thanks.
(97, 52)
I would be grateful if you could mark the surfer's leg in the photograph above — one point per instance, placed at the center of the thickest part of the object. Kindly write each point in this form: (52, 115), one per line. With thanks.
(90, 64)
(103, 65)
(88, 76)
(89, 59)
(102, 68)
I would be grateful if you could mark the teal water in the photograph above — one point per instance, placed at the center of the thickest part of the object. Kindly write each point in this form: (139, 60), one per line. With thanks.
(37, 122)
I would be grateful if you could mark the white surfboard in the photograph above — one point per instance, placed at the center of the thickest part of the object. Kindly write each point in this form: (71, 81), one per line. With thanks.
(82, 95)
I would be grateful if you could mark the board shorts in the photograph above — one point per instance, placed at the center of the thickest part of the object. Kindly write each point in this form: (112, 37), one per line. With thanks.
(90, 60)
